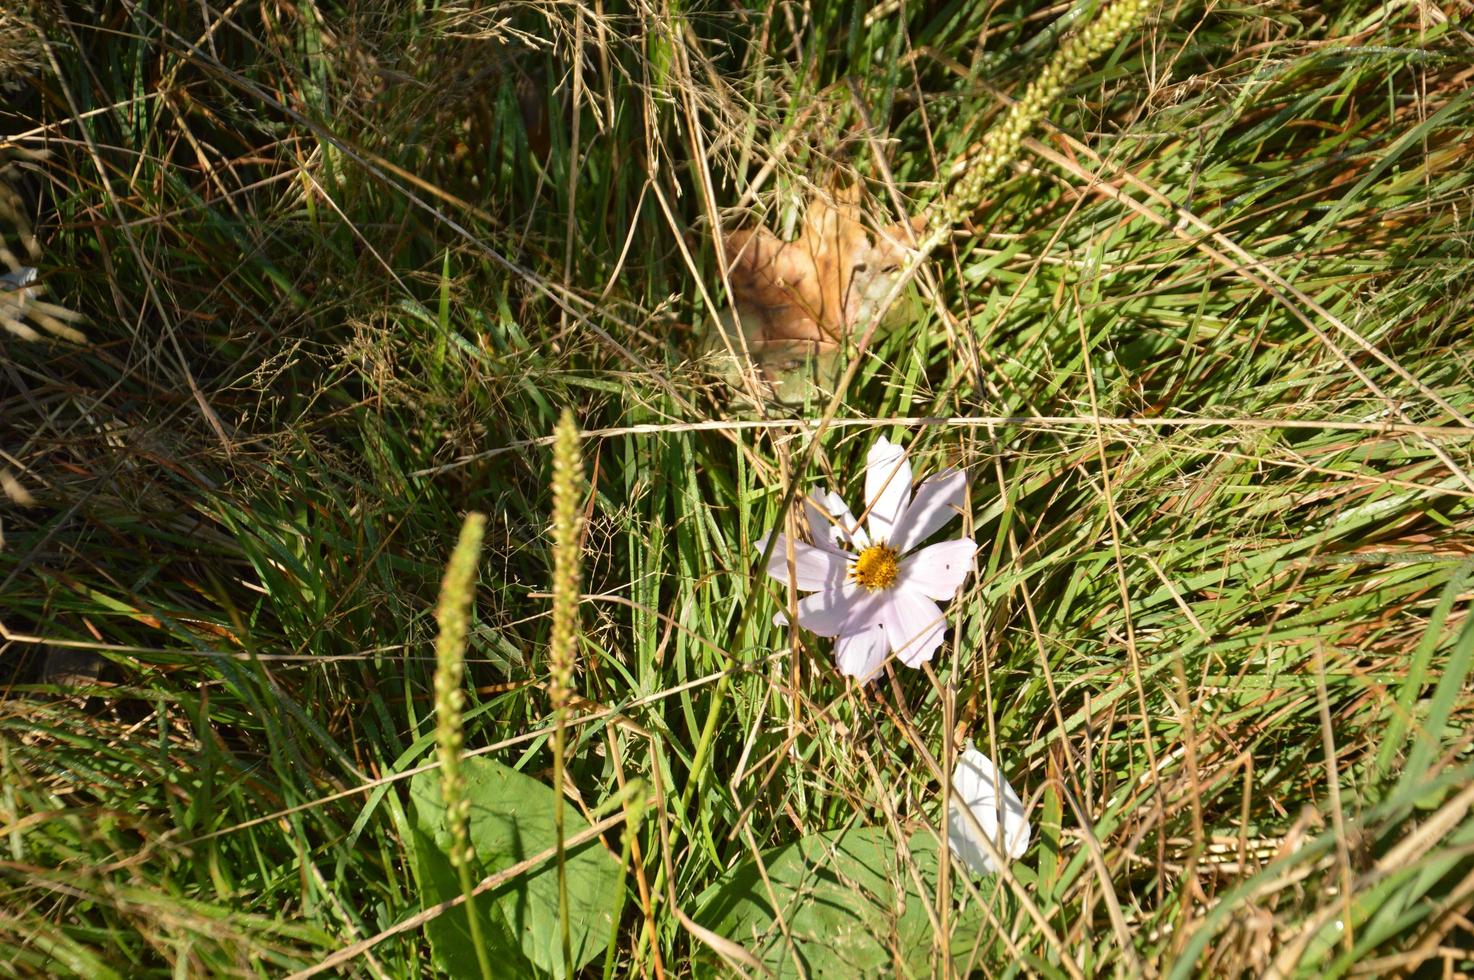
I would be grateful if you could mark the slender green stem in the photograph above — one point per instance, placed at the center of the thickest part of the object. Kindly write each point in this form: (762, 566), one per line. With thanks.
(634, 809)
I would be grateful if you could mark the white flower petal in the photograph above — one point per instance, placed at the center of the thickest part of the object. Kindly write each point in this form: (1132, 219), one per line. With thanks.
(980, 789)
(860, 652)
(938, 570)
(834, 611)
(887, 488)
(938, 500)
(813, 568)
(913, 625)
(823, 528)
(845, 519)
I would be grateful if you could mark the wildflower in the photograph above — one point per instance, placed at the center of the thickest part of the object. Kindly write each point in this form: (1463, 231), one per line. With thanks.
(982, 802)
(872, 591)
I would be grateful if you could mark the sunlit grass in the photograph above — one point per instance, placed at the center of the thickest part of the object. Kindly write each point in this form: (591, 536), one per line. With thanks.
(1203, 351)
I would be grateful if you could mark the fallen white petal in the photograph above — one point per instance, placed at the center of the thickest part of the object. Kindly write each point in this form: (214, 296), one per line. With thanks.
(980, 789)
(937, 501)
(887, 488)
(938, 570)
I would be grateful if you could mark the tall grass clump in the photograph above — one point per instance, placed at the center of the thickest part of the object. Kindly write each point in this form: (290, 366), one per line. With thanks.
(322, 279)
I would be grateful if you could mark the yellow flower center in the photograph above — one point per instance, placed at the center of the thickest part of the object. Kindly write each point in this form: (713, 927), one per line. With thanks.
(875, 568)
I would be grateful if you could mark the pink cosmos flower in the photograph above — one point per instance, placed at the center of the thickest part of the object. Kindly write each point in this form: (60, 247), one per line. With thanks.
(872, 591)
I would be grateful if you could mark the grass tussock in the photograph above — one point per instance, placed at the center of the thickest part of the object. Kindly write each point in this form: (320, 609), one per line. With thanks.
(1201, 344)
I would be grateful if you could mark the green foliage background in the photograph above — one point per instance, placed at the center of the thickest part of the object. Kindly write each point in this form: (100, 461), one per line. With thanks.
(344, 264)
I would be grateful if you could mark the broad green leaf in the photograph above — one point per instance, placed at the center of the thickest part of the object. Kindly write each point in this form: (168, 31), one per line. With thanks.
(842, 904)
(511, 821)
